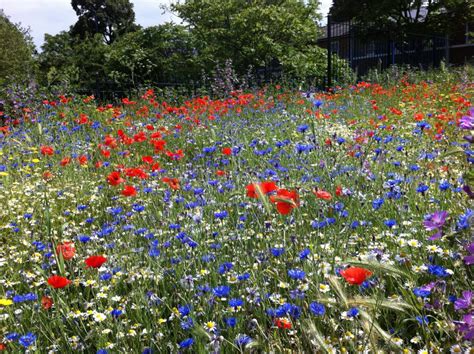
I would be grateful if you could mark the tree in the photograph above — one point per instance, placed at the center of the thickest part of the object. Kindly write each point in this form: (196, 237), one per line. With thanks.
(250, 33)
(56, 61)
(110, 18)
(405, 16)
(155, 54)
(17, 49)
(68, 64)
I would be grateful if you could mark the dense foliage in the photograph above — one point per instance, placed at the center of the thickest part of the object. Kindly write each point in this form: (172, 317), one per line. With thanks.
(16, 53)
(110, 18)
(278, 37)
(266, 221)
(401, 17)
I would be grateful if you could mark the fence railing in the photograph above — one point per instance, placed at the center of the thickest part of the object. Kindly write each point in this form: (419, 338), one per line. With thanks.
(364, 49)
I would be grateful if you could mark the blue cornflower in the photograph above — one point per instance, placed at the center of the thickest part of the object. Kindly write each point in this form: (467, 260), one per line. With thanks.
(12, 336)
(377, 203)
(184, 310)
(422, 320)
(304, 253)
(27, 340)
(353, 312)
(463, 220)
(296, 274)
(187, 324)
(221, 291)
(390, 223)
(437, 270)
(242, 340)
(154, 252)
(302, 128)
(225, 267)
(317, 309)
(221, 214)
(243, 277)
(26, 297)
(116, 313)
(277, 251)
(422, 188)
(186, 343)
(106, 276)
(444, 185)
(138, 207)
(317, 103)
(231, 321)
(236, 302)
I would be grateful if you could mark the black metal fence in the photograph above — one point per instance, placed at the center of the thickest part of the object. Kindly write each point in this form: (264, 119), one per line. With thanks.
(364, 49)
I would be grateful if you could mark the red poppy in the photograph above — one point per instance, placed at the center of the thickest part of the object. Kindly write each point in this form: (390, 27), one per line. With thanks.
(140, 137)
(322, 194)
(95, 261)
(265, 188)
(227, 151)
(3, 346)
(82, 160)
(136, 172)
(282, 323)
(339, 191)
(65, 161)
(147, 159)
(355, 275)
(114, 178)
(285, 201)
(129, 191)
(47, 175)
(110, 141)
(58, 282)
(172, 182)
(220, 173)
(47, 150)
(66, 249)
(46, 302)
(177, 155)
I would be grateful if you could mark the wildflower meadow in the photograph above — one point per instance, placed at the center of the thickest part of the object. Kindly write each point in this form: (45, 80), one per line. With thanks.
(272, 220)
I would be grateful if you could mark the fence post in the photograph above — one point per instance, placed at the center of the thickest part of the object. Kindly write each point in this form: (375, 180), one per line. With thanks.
(389, 50)
(329, 68)
(446, 49)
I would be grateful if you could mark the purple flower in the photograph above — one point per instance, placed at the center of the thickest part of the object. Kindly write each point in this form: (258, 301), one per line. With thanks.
(467, 122)
(469, 259)
(469, 138)
(435, 220)
(464, 302)
(466, 326)
(467, 189)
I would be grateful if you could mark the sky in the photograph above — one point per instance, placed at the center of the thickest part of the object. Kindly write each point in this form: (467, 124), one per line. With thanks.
(54, 16)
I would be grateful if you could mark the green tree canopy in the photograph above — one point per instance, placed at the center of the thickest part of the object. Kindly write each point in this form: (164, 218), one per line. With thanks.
(16, 53)
(250, 33)
(110, 18)
(155, 54)
(69, 64)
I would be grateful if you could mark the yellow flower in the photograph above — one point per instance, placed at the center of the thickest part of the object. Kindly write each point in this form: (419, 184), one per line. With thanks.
(35, 160)
(6, 302)
(3, 173)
